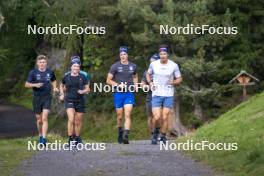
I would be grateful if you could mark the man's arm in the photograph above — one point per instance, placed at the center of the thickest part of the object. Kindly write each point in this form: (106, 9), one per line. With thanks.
(177, 81)
(54, 85)
(109, 80)
(29, 81)
(85, 90)
(177, 76)
(62, 90)
(32, 85)
(135, 79)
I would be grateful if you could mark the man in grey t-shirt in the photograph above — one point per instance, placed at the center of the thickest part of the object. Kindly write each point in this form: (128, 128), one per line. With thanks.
(123, 76)
(166, 75)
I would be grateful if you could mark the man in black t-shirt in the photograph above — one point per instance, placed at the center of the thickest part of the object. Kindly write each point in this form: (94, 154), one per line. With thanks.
(73, 88)
(40, 80)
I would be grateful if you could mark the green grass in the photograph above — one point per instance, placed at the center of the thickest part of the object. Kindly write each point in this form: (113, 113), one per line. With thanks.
(243, 125)
(12, 151)
(25, 100)
(101, 127)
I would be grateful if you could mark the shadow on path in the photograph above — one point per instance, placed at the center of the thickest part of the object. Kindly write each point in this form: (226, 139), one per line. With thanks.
(16, 121)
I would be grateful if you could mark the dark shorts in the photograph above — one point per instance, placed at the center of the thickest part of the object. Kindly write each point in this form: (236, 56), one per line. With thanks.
(40, 103)
(148, 108)
(79, 106)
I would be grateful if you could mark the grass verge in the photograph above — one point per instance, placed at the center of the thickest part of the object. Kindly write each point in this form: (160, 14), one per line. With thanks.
(243, 125)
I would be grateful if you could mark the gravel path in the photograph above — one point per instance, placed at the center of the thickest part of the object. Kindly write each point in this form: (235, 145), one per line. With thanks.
(137, 158)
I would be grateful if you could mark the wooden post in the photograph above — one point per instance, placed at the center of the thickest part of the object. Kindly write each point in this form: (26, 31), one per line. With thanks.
(244, 92)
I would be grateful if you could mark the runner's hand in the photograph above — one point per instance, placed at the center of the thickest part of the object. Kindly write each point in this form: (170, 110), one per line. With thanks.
(152, 86)
(38, 85)
(56, 90)
(81, 92)
(61, 97)
(171, 82)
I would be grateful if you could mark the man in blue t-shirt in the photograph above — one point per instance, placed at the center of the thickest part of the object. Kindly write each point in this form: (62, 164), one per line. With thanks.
(41, 80)
(123, 76)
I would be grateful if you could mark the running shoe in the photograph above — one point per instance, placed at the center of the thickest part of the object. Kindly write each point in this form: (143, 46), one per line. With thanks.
(154, 139)
(78, 140)
(70, 141)
(163, 139)
(120, 137)
(44, 141)
(125, 140)
(40, 139)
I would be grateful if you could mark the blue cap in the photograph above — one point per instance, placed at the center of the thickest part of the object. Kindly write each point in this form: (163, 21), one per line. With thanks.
(123, 49)
(155, 56)
(163, 49)
(75, 60)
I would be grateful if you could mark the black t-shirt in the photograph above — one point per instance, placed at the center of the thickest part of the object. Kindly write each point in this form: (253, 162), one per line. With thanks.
(123, 72)
(45, 77)
(73, 84)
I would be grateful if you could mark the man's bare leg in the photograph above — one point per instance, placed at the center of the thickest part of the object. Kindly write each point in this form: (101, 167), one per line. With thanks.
(119, 117)
(45, 124)
(156, 123)
(164, 127)
(128, 109)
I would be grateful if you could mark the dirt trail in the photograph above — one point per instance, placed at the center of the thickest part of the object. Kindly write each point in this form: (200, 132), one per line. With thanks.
(137, 158)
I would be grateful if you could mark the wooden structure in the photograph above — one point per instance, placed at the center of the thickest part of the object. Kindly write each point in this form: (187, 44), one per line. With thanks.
(244, 79)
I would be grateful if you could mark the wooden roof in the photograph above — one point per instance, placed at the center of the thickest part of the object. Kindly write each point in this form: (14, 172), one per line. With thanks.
(243, 72)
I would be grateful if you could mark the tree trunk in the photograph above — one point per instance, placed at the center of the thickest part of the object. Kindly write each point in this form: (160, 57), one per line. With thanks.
(198, 111)
(175, 126)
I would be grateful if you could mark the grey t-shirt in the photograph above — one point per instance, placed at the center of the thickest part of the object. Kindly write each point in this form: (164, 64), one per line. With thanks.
(123, 72)
(149, 93)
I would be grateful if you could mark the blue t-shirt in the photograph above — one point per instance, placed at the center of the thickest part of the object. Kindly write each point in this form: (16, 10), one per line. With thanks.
(45, 77)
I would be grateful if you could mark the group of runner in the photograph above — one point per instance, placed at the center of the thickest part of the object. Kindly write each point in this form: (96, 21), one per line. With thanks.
(161, 77)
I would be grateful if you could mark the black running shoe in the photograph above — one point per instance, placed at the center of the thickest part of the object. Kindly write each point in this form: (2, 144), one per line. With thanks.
(163, 139)
(154, 139)
(78, 140)
(120, 137)
(71, 142)
(125, 140)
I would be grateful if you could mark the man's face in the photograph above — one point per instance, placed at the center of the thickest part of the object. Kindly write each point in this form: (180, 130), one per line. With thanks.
(163, 56)
(123, 56)
(75, 68)
(42, 64)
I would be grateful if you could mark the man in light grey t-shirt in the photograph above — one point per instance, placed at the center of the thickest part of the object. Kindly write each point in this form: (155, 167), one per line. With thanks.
(166, 75)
